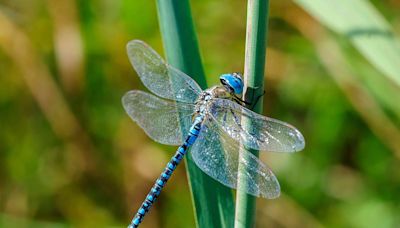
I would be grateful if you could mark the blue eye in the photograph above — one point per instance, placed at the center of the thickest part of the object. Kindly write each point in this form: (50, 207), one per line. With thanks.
(233, 81)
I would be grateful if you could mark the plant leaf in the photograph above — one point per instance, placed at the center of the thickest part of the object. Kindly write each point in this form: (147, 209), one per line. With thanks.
(366, 29)
(213, 202)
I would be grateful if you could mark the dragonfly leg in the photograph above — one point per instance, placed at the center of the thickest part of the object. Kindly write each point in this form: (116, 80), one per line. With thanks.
(256, 100)
(240, 101)
(249, 104)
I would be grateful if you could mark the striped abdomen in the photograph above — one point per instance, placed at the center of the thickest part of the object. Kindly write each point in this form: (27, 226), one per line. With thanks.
(166, 174)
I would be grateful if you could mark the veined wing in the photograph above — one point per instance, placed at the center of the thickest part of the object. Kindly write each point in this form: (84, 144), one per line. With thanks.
(160, 78)
(262, 133)
(164, 121)
(218, 155)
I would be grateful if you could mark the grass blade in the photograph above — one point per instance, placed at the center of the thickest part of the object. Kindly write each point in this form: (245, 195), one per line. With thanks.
(213, 202)
(366, 29)
(347, 76)
(257, 16)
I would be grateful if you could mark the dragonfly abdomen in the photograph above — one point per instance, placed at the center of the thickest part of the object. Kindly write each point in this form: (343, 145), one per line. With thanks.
(166, 174)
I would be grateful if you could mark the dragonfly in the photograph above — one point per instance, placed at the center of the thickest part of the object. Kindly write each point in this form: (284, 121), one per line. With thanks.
(212, 123)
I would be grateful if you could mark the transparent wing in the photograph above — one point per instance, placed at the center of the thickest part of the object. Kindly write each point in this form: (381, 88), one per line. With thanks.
(160, 78)
(159, 118)
(263, 133)
(218, 155)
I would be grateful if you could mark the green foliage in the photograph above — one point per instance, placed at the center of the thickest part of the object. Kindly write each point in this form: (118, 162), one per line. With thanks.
(364, 27)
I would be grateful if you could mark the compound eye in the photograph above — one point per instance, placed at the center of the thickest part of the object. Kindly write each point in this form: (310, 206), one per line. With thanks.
(223, 81)
(227, 85)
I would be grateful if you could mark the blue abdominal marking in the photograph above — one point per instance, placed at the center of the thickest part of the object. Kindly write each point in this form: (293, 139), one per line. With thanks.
(162, 180)
(215, 135)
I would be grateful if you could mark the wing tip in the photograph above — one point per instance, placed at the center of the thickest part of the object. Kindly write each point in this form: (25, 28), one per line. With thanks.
(275, 192)
(137, 51)
(300, 142)
(274, 195)
(133, 43)
(128, 96)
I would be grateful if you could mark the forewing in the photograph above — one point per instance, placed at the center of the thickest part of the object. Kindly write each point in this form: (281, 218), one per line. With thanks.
(158, 76)
(255, 131)
(166, 122)
(218, 155)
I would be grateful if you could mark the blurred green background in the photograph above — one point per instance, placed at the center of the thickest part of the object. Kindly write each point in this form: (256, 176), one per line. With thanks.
(70, 156)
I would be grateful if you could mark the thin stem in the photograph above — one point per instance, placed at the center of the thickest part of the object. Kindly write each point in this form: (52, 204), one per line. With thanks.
(256, 33)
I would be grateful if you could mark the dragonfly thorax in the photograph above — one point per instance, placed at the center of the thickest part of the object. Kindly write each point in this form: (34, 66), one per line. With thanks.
(206, 97)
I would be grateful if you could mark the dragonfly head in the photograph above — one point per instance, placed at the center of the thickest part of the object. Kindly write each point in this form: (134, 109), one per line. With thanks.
(233, 82)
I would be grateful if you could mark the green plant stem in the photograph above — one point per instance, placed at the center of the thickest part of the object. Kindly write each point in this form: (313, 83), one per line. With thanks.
(213, 202)
(256, 33)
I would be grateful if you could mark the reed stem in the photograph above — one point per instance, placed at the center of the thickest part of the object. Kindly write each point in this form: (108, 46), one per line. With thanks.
(256, 33)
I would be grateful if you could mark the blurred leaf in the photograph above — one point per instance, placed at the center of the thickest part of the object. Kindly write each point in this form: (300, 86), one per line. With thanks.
(13, 221)
(364, 26)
